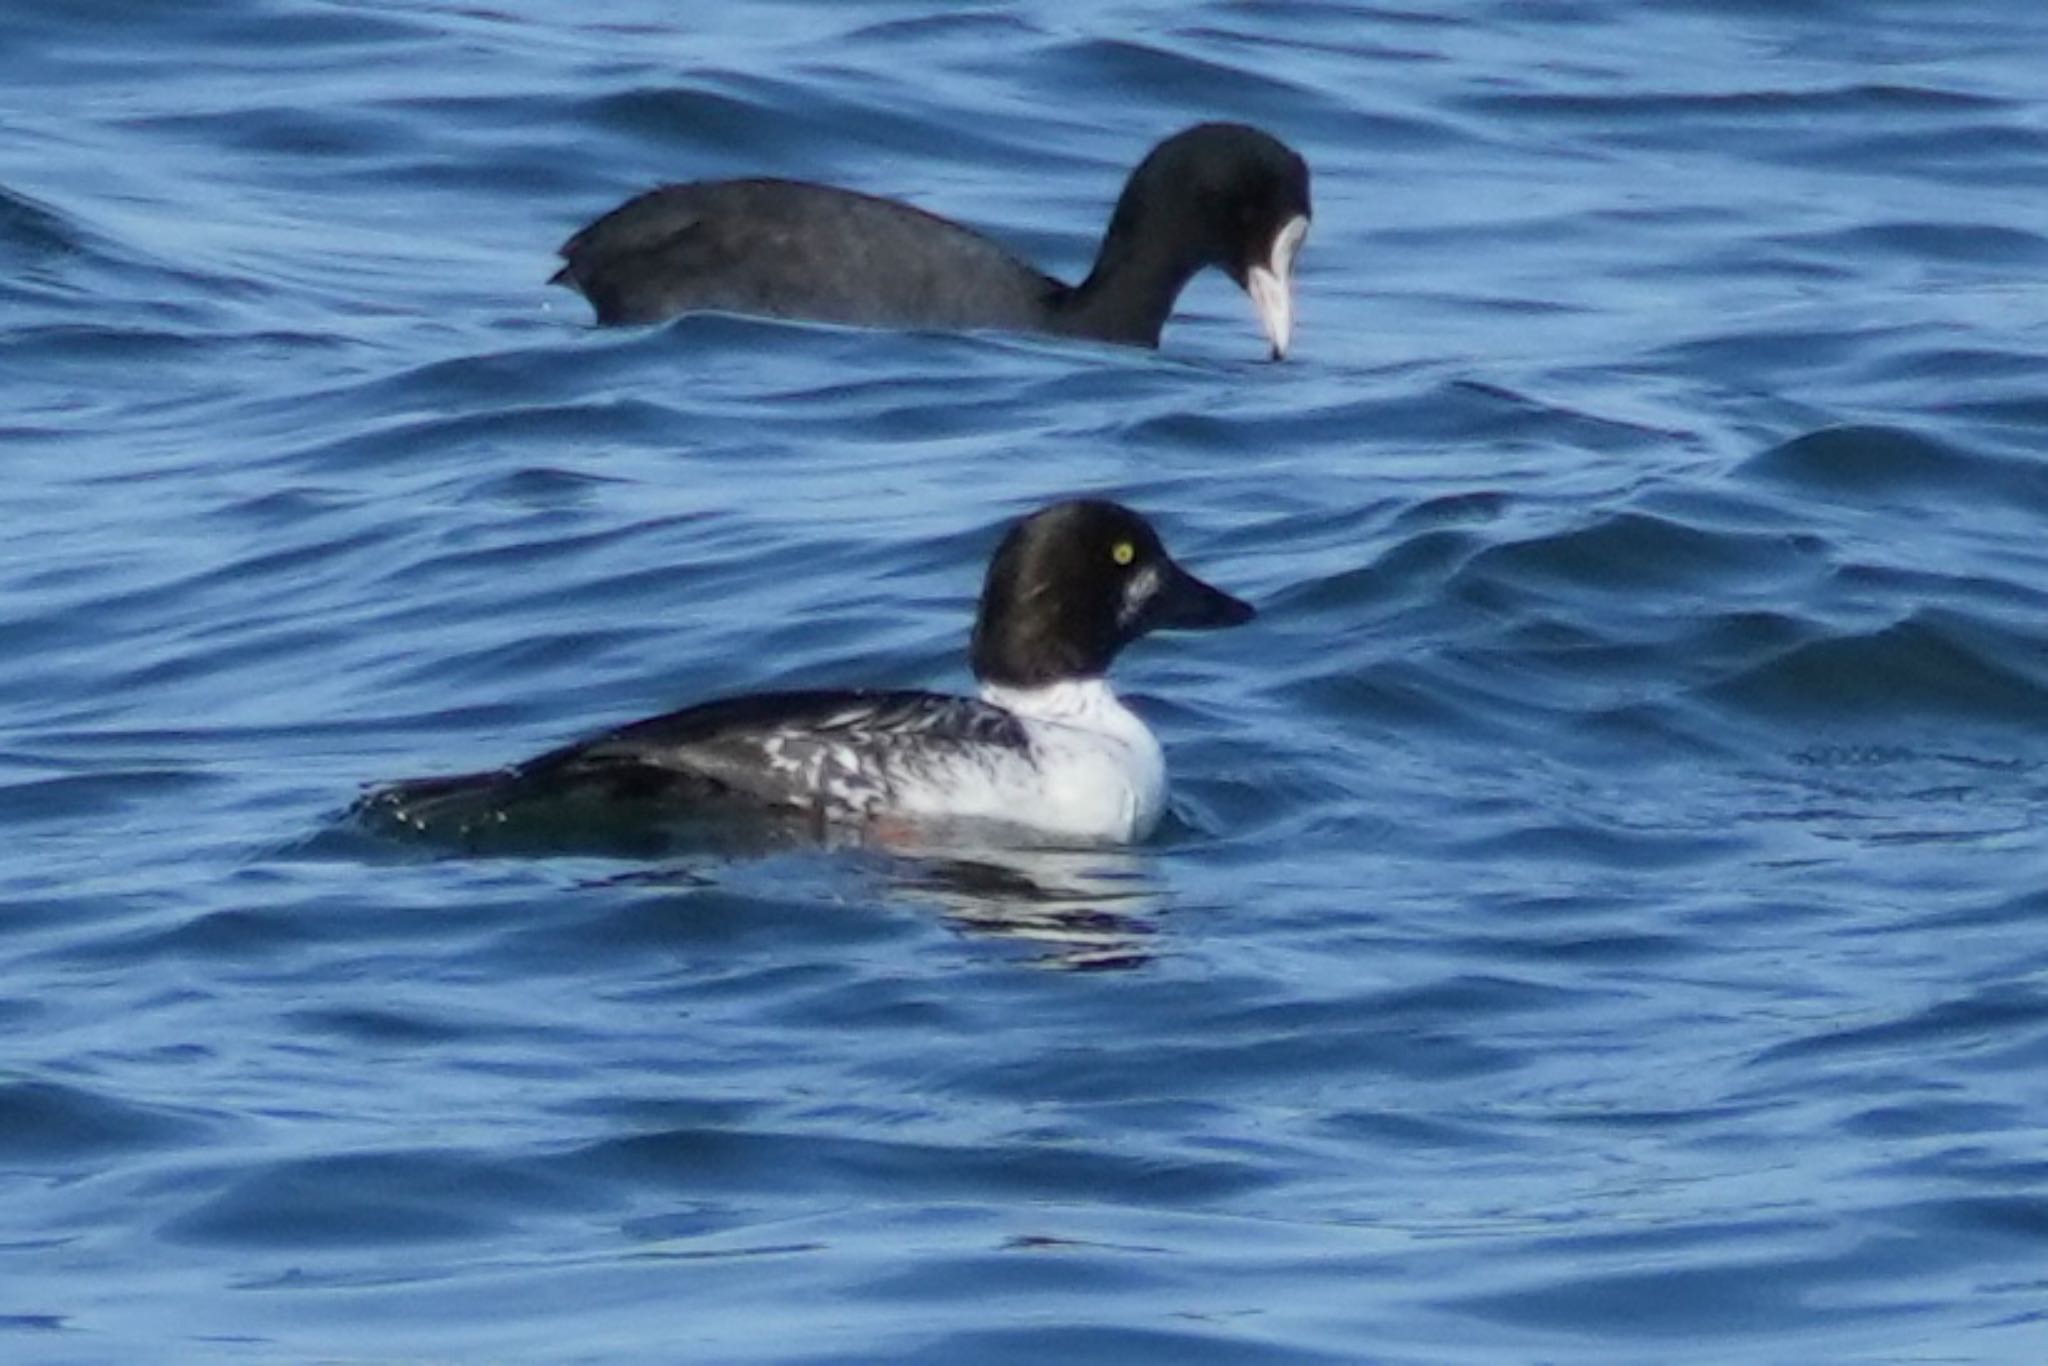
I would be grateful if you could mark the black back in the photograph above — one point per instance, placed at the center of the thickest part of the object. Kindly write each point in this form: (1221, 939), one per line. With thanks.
(740, 755)
(787, 249)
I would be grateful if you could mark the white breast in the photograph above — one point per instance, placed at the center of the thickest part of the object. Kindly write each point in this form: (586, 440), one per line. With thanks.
(1095, 771)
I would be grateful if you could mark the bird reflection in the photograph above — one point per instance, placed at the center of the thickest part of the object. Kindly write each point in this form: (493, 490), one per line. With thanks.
(1087, 910)
(1084, 909)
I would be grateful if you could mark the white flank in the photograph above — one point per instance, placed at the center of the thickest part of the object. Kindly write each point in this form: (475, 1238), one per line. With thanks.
(1094, 772)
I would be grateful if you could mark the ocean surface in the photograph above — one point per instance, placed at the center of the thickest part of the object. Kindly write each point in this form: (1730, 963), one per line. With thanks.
(1604, 915)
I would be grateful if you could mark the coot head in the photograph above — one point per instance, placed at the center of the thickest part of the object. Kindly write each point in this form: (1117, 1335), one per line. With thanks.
(1074, 583)
(1225, 195)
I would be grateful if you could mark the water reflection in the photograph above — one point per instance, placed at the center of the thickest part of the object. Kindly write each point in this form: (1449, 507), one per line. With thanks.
(1085, 909)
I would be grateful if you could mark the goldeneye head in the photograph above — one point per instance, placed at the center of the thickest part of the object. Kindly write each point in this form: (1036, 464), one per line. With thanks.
(1074, 583)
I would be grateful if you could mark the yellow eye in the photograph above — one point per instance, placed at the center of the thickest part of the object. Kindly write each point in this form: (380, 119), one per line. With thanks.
(1123, 552)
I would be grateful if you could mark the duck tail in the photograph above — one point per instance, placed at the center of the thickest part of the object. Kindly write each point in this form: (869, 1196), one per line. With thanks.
(458, 806)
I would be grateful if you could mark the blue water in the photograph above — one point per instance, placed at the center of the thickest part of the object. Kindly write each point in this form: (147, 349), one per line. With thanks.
(1603, 914)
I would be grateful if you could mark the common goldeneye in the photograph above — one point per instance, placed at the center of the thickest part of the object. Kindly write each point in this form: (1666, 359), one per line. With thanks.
(1217, 194)
(1047, 747)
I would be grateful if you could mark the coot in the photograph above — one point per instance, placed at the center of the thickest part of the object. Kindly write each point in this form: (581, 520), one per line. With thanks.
(1217, 194)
